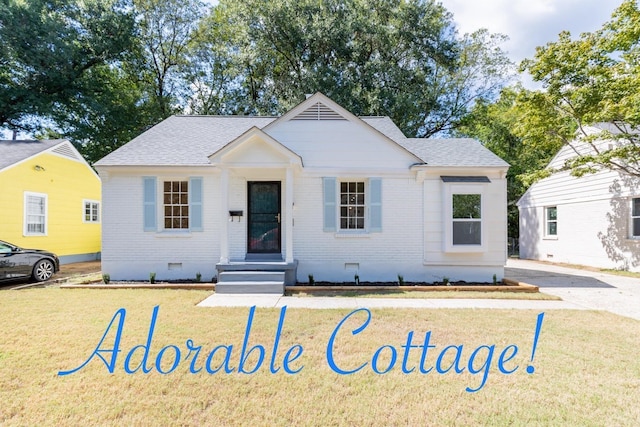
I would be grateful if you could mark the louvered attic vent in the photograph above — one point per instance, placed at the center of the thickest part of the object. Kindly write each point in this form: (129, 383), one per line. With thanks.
(66, 151)
(318, 111)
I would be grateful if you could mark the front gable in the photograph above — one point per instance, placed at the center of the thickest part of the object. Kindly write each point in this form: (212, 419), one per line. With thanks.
(328, 136)
(255, 148)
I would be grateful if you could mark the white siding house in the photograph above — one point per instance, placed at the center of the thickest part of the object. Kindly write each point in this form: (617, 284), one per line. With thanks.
(317, 191)
(591, 220)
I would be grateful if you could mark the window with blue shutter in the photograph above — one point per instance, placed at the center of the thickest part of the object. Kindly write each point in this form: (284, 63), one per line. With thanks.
(149, 202)
(375, 205)
(329, 198)
(195, 203)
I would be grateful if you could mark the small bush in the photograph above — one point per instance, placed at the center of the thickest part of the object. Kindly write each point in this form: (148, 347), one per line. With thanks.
(152, 278)
(311, 280)
(400, 280)
(356, 278)
(445, 281)
(495, 280)
(106, 278)
(198, 277)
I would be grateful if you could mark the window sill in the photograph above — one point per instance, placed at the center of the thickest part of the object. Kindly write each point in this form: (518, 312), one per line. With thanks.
(550, 238)
(457, 249)
(352, 234)
(174, 234)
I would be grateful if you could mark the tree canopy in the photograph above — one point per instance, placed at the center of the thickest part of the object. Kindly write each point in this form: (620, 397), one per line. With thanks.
(590, 80)
(101, 71)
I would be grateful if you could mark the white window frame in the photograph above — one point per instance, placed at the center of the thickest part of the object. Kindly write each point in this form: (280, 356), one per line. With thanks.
(163, 206)
(450, 189)
(91, 204)
(45, 215)
(547, 221)
(632, 235)
(365, 214)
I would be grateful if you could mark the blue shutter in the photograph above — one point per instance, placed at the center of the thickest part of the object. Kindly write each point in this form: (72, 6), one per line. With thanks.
(329, 199)
(195, 203)
(149, 202)
(375, 205)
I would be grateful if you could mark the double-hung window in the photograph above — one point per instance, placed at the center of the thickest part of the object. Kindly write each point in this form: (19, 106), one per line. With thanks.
(467, 219)
(464, 213)
(176, 205)
(35, 214)
(551, 221)
(172, 204)
(352, 205)
(635, 217)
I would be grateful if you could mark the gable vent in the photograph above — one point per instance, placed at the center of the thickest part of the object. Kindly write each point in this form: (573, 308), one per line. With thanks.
(318, 111)
(65, 150)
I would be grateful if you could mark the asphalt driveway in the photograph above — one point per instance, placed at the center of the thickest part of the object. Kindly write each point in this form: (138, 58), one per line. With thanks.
(589, 289)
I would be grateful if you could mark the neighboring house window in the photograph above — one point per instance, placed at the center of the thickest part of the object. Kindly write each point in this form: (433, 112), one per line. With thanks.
(551, 220)
(176, 204)
(91, 211)
(467, 219)
(352, 205)
(35, 214)
(635, 217)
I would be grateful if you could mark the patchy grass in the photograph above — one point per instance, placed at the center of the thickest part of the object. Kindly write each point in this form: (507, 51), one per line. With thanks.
(587, 369)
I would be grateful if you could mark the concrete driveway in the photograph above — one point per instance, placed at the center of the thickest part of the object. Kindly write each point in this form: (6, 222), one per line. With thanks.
(588, 289)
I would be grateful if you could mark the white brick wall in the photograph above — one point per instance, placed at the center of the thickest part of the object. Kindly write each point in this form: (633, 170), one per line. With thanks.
(410, 243)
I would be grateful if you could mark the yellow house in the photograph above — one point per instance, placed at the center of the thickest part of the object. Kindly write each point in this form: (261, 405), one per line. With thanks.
(50, 199)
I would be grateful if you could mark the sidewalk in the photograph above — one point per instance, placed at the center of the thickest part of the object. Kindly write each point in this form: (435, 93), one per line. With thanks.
(277, 301)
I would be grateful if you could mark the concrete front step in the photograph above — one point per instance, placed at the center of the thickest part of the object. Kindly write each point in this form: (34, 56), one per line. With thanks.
(251, 276)
(250, 287)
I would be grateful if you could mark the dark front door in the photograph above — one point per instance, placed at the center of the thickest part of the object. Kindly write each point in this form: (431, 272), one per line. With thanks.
(264, 217)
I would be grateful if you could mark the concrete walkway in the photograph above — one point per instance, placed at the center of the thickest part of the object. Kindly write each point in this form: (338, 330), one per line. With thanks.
(591, 290)
(579, 289)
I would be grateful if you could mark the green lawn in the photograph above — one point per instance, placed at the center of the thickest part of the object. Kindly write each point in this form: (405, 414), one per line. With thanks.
(587, 371)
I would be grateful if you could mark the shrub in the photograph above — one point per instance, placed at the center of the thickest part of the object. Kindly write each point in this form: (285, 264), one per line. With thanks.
(400, 280)
(445, 281)
(152, 278)
(106, 278)
(311, 280)
(198, 277)
(356, 278)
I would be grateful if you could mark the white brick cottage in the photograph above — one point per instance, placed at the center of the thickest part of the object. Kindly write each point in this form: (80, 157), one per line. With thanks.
(317, 191)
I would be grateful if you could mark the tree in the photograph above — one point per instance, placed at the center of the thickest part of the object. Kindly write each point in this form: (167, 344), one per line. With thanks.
(48, 49)
(593, 79)
(498, 125)
(166, 30)
(387, 57)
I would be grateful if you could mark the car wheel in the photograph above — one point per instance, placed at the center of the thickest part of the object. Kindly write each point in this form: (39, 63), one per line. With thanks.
(43, 270)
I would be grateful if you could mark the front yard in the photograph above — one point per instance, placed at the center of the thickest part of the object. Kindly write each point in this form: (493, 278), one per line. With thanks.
(586, 367)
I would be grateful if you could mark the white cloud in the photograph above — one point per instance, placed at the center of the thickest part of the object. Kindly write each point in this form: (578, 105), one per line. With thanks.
(530, 23)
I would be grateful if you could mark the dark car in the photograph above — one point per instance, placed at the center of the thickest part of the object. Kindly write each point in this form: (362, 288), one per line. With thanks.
(18, 263)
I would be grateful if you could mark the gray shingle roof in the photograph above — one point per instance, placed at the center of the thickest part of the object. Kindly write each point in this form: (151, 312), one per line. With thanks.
(182, 140)
(386, 126)
(453, 152)
(189, 140)
(15, 151)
